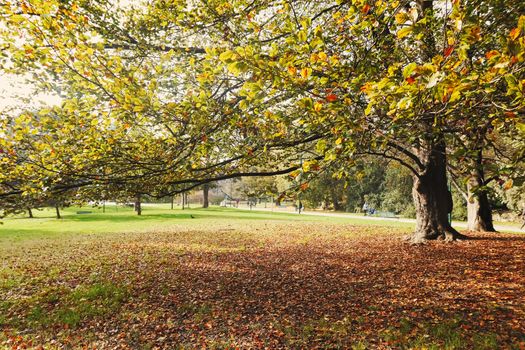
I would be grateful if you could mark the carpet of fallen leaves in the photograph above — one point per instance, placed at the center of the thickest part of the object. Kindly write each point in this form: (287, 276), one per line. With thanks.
(265, 284)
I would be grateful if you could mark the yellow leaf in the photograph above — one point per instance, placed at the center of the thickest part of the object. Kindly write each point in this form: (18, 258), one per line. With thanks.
(401, 17)
(401, 33)
(318, 106)
(306, 72)
(456, 95)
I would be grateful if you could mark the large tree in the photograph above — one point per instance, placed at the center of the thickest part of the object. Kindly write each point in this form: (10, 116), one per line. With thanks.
(395, 80)
(190, 92)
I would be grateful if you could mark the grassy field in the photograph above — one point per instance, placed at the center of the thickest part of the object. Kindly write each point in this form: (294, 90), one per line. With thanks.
(157, 217)
(224, 278)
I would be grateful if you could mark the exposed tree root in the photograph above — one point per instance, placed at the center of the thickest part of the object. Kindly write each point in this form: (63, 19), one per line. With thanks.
(448, 234)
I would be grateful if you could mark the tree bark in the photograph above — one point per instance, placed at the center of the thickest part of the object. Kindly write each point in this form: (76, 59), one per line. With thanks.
(479, 212)
(57, 210)
(335, 199)
(172, 200)
(432, 198)
(30, 213)
(138, 205)
(205, 195)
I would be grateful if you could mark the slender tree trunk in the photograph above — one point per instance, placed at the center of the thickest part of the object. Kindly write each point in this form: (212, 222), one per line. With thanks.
(205, 195)
(335, 199)
(432, 198)
(30, 213)
(479, 212)
(172, 200)
(138, 205)
(57, 210)
(183, 198)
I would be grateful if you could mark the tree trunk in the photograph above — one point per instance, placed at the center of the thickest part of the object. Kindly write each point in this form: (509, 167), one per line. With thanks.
(57, 209)
(479, 212)
(432, 198)
(30, 213)
(138, 205)
(172, 200)
(335, 199)
(205, 195)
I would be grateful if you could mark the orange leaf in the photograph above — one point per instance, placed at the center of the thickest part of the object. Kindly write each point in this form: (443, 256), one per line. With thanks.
(365, 87)
(331, 98)
(365, 9)
(410, 80)
(515, 33)
(448, 51)
(491, 54)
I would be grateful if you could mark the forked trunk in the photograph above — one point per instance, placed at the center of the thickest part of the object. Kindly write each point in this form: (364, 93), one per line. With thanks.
(205, 195)
(479, 212)
(432, 198)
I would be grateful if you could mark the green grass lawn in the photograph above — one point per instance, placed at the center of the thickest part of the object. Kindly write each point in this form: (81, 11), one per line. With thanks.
(154, 218)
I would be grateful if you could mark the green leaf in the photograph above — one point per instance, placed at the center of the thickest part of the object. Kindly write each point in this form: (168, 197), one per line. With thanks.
(237, 68)
(409, 69)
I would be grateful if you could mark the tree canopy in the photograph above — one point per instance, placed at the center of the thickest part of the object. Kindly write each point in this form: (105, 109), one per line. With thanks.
(179, 93)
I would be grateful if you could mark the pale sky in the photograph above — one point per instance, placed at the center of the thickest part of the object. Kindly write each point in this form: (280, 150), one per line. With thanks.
(17, 94)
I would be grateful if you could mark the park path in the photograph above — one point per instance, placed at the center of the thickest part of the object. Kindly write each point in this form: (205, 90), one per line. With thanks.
(291, 210)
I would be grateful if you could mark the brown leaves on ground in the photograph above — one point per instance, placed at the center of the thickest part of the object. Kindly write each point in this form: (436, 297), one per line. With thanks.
(269, 285)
